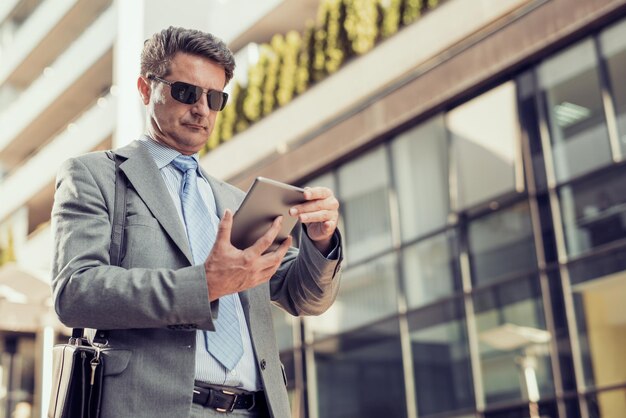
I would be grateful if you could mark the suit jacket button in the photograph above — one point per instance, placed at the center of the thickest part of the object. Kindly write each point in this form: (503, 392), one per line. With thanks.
(263, 364)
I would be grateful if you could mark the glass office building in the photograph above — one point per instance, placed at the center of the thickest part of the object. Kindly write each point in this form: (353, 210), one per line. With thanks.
(478, 154)
(486, 255)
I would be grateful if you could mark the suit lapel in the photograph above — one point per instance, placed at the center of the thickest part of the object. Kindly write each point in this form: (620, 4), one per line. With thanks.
(224, 198)
(144, 176)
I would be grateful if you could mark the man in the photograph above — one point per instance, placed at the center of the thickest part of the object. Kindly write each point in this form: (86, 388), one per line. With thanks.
(171, 351)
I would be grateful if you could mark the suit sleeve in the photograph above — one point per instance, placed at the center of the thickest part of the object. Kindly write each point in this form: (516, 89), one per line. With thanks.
(307, 282)
(90, 293)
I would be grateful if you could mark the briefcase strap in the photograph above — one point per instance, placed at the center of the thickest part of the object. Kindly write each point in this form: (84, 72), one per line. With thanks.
(117, 236)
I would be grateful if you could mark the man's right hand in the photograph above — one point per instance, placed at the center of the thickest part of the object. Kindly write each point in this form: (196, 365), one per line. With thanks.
(231, 270)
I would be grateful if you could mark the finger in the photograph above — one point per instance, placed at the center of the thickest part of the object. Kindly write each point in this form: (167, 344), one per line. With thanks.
(312, 193)
(276, 257)
(330, 203)
(266, 240)
(224, 228)
(319, 216)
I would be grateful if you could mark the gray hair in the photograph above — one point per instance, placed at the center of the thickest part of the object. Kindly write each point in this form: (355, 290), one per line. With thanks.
(161, 48)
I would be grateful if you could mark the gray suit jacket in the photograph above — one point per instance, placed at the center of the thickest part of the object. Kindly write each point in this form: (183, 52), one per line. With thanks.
(156, 297)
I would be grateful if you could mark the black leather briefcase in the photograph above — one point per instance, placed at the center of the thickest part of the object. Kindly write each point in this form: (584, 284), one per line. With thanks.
(77, 380)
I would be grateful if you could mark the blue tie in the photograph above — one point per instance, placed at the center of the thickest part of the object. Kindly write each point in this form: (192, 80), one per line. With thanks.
(225, 343)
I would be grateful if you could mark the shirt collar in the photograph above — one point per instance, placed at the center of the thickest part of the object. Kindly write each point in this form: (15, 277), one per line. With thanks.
(164, 155)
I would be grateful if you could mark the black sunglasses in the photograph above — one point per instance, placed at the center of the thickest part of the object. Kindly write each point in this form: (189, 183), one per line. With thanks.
(190, 94)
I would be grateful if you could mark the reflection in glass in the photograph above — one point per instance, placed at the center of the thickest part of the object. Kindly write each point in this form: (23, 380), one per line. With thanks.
(361, 375)
(368, 292)
(543, 410)
(601, 323)
(430, 270)
(529, 119)
(571, 88)
(283, 326)
(364, 186)
(485, 136)
(607, 404)
(594, 211)
(441, 359)
(420, 163)
(514, 343)
(613, 42)
(501, 244)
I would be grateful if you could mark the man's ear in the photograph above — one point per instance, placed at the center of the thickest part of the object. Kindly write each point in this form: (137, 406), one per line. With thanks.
(143, 85)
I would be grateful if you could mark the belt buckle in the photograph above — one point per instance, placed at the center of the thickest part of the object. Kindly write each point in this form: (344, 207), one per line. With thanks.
(231, 407)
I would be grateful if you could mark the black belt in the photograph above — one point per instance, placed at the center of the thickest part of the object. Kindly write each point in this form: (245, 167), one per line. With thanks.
(223, 400)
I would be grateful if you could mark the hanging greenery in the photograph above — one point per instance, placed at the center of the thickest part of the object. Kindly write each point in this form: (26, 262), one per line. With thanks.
(229, 115)
(412, 10)
(336, 37)
(292, 63)
(241, 121)
(305, 62)
(253, 103)
(274, 61)
(360, 24)
(288, 69)
(391, 17)
(216, 134)
(321, 36)
(7, 252)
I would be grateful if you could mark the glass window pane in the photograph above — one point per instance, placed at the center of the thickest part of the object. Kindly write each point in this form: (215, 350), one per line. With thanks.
(571, 87)
(441, 359)
(514, 343)
(601, 323)
(368, 292)
(283, 326)
(614, 52)
(501, 244)
(430, 269)
(542, 410)
(607, 404)
(485, 137)
(420, 164)
(529, 120)
(594, 211)
(364, 187)
(361, 374)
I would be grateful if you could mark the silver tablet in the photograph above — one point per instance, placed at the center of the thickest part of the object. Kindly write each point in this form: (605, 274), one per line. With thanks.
(265, 200)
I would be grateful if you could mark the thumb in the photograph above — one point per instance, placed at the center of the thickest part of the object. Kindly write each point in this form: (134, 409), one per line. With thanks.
(225, 227)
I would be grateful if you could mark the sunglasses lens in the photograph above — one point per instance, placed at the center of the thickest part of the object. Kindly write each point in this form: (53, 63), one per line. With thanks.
(217, 100)
(186, 93)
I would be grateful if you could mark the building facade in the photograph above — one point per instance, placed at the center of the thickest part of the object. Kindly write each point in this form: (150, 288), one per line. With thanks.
(478, 155)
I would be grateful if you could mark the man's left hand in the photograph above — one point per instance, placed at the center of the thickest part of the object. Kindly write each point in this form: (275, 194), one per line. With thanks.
(320, 214)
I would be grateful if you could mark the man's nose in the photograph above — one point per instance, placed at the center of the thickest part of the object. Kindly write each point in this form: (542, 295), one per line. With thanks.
(201, 107)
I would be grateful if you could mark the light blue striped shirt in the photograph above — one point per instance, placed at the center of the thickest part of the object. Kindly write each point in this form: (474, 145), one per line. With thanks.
(245, 375)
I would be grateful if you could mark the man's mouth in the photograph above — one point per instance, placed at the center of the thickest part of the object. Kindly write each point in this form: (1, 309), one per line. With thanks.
(194, 126)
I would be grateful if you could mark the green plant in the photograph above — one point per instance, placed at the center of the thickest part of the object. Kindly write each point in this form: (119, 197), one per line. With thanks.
(252, 105)
(291, 64)
(336, 37)
(391, 17)
(412, 10)
(360, 24)
(305, 59)
(229, 115)
(7, 252)
(320, 36)
(215, 137)
(288, 69)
